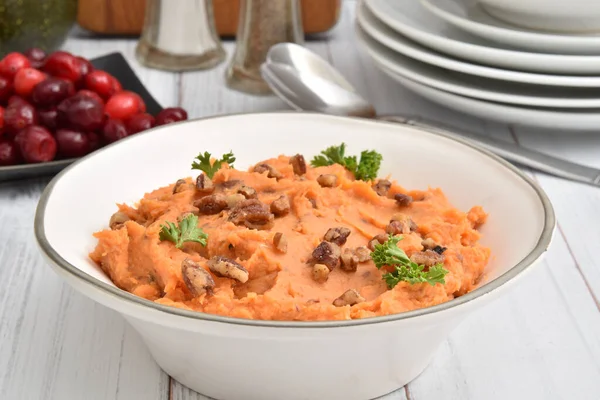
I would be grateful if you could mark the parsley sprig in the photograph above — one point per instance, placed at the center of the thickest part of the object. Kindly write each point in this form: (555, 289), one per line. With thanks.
(390, 254)
(186, 231)
(364, 169)
(209, 169)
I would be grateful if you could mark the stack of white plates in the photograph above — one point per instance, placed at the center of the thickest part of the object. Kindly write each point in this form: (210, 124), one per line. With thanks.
(454, 53)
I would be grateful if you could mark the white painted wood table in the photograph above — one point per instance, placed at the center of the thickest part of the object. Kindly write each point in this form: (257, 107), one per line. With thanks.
(542, 341)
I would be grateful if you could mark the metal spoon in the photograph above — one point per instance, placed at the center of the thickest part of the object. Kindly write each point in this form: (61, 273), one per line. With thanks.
(306, 82)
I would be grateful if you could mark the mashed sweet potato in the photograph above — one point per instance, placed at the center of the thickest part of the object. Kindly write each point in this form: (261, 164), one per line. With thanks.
(286, 241)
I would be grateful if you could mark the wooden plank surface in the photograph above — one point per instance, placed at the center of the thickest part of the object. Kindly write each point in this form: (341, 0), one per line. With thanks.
(542, 341)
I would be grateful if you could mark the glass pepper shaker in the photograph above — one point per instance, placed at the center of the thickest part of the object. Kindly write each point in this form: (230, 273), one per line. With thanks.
(262, 24)
(179, 35)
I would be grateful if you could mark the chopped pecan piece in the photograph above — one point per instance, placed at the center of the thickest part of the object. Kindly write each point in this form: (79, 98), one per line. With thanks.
(231, 183)
(213, 204)
(248, 192)
(320, 272)
(378, 239)
(280, 206)
(197, 279)
(363, 254)
(337, 235)
(280, 242)
(234, 199)
(180, 186)
(429, 244)
(327, 180)
(349, 260)
(439, 249)
(403, 200)
(427, 258)
(272, 171)
(225, 267)
(382, 187)
(405, 218)
(349, 298)
(327, 253)
(298, 164)
(117, 220)
(400, 223)
(204, 184)
(253, 214)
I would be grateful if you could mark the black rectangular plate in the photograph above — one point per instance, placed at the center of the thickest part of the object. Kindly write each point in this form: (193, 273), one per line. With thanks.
(116, 65)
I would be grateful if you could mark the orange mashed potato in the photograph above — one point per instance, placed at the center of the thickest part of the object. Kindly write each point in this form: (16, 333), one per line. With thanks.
(282, 283)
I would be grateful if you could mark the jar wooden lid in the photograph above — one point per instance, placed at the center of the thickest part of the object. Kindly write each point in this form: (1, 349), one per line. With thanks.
(127, 17)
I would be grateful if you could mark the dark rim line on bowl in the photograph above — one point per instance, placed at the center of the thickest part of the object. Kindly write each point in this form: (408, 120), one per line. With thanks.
(540, 247)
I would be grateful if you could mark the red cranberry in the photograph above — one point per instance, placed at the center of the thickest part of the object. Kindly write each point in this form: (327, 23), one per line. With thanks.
(114, 130)
(72, 144)
(52, 91)
(36, 57)
(12, 63)
(81, 113)
(117, 85)
(85, 67)
(36, 144)
(6, 89)
(102, 83)
(18, 116)
(48, 118)
(14, 99)
(26, 79)
(139, 122)
(89, 93)
(124, 105)
(95, 141)
(63, 65)
(1, 120)
(169, 115)
(9, 153)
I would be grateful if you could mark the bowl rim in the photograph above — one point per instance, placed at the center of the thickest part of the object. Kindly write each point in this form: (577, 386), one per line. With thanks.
(122, 295)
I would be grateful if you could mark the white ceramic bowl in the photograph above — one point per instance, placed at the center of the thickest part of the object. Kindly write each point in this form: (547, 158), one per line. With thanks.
(573, 16)
(227, 358)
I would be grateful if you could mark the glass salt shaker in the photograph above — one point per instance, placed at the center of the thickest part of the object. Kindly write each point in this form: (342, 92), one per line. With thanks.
(179, 35)
(262, 24)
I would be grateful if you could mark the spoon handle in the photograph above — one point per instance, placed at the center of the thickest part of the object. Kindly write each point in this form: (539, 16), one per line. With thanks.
(514, 153)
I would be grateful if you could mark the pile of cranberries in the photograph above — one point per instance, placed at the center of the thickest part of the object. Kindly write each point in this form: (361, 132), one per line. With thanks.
(58, 106)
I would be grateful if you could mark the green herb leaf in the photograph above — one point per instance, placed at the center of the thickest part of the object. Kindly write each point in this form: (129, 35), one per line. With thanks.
(331, 155)
(187, 231)
(209, 169)
(366, 169)
(390, 254)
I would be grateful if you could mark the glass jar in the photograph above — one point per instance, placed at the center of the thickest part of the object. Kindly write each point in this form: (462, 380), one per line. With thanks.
(35, 23)
(262, 24)
(179, 35)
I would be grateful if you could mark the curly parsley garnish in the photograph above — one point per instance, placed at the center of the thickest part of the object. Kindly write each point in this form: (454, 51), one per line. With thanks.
(390, 254)
(366, 169)
(209, 169)
(187, 231)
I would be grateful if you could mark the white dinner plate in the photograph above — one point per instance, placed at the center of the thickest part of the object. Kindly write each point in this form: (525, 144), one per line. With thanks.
(399, 43)
(556, 120)
(414, 21)
(469, 16)
(480, 88)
